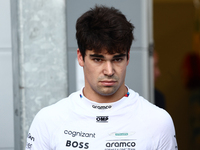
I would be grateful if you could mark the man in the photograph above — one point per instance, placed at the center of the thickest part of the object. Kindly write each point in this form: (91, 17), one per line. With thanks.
(105, 114)
(159, 97)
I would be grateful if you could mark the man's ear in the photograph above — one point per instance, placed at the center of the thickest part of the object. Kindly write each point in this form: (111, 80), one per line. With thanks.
(128, 58)
(80, 58)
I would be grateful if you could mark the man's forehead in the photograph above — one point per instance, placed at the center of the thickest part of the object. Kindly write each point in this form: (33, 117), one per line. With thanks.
(103, 52)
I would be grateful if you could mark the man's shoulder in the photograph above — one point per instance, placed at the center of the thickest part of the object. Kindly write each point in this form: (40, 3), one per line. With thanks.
(157, 115)
(62, 106)
(147, 108)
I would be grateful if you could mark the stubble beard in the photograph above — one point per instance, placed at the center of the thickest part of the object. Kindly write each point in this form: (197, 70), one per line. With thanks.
(107, 90)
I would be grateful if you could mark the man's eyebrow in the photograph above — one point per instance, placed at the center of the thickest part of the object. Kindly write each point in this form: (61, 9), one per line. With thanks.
(96, 55)
(119, 55)
(101, 56)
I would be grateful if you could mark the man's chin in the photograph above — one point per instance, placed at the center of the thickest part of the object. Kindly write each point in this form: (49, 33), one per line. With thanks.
(108, 91)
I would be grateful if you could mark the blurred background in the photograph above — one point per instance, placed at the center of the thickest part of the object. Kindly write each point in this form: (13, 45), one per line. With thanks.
(177, 43)
(176, 39)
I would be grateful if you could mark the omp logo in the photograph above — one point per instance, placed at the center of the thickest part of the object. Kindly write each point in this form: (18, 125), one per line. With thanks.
(103, 119)
(120, 144)
(81, 134)
(101, 106)
(75, 144)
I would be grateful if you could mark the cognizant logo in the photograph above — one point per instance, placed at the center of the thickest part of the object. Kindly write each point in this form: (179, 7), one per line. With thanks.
(80, 134)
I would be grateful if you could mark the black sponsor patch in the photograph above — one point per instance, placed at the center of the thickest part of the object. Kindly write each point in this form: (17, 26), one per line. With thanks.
(102, 119)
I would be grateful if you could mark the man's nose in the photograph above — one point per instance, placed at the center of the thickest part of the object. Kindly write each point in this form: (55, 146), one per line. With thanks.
(108, 69)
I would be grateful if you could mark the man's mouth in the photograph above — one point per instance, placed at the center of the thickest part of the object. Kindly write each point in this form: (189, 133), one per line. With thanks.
(108, 82)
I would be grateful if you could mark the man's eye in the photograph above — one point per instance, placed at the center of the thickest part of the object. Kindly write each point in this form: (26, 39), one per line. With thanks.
(117, 59)
(97, 60)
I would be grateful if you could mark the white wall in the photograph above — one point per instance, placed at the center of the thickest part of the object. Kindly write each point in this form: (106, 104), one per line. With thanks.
(39, 60)
(6, 82)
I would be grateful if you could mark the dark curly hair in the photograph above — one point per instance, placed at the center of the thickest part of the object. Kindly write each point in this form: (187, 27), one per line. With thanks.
(104, 28)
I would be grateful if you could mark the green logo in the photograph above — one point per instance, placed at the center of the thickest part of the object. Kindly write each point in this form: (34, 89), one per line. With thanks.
(121, 134)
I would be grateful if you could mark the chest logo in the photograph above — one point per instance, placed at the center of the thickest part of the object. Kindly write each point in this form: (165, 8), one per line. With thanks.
(76, 144)
(79, 134)
(102, 107)
(121, 134)
(102, 119)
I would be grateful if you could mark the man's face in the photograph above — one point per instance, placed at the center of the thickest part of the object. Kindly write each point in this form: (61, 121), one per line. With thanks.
(104, 73)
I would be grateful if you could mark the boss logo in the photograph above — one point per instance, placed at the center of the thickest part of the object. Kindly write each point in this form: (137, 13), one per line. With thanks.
(75, 144)
(103, 119)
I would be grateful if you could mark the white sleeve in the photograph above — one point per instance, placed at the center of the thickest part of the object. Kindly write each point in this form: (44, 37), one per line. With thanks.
(38, 137)
(167, 138)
